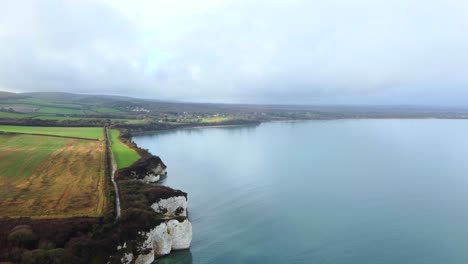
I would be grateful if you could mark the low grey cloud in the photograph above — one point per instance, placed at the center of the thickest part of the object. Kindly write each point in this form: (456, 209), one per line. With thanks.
(296, 51)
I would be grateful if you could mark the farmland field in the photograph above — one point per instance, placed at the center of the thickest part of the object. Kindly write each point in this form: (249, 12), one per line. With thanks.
(106, 110)
(214, 119)
(59, 118)
(123, 155)
(79, 132)
(13, 115)
(57, 110)
(50, 177)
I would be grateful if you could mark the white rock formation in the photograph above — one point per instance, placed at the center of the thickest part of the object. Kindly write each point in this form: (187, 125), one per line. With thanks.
(181, 234)
(151, 178)
(159, 170)
(171, 207)
(153, 175)
(168, 236)
(127, 258)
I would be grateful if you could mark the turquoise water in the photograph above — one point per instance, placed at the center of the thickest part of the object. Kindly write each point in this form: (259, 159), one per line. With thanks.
(347, 191)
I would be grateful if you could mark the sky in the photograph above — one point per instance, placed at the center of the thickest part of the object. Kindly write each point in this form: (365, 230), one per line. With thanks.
(240, 51)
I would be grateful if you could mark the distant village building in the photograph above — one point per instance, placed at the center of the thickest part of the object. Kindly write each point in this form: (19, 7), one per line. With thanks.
(140, 109)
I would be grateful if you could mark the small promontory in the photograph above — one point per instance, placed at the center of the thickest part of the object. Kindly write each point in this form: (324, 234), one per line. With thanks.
(154, 216)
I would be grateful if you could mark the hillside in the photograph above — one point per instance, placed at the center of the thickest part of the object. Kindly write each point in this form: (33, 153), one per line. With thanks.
(68, 109)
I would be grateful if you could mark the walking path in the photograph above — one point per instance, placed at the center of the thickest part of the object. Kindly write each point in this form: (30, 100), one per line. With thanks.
(112, 174)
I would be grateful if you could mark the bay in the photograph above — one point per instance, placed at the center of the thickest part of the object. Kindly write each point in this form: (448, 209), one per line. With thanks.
(344, 191)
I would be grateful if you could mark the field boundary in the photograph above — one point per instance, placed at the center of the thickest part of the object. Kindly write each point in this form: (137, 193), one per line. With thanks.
(46, 135)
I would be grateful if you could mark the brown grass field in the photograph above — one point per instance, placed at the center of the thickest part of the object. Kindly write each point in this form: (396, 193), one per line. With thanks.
(51, 177)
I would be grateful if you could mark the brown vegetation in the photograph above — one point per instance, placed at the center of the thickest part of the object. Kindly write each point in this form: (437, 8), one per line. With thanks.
(70, 182)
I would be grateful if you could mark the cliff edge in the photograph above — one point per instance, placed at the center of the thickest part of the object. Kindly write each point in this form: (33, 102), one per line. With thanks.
(160, 211)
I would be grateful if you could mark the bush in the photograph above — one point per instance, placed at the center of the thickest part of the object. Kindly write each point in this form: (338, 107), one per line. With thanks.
(35, 257)
(22, 236)
(56, 256)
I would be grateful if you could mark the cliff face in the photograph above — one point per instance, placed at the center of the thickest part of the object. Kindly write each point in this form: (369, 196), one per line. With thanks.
(148, 169)
(169, 235)
(171, 207)
(170, 228)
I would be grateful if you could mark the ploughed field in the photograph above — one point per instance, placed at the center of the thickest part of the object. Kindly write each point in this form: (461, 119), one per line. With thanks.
(52, 175)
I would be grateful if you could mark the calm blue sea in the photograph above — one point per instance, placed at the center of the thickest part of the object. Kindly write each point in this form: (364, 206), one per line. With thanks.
(331, 192)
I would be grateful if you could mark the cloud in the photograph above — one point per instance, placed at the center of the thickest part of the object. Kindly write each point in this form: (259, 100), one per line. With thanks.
(298, 51)
(66, 45)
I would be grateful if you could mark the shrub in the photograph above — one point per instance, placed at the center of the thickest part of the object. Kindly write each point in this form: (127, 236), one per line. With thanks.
(22, 237)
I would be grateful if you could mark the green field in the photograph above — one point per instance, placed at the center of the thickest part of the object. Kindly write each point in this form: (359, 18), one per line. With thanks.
(57, 110)
(14, 115)
(60, 118)
(216, 119)
(25, 153)
(106, 110)
(123, 155)
(50, 177)
(79, 132)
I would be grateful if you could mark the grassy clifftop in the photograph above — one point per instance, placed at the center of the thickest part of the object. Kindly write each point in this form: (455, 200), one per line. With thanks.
(124, 155)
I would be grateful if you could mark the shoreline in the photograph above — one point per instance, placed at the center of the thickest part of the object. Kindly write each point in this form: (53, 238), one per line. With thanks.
(183, 126)
(139, 133)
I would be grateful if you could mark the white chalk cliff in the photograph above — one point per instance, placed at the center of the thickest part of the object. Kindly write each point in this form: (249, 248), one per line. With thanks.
(171, 207)
(171, 234)
(168, 236)
(153, 175)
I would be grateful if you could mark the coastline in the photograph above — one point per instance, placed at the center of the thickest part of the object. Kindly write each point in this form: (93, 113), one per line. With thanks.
(139, 133)
(134, 132)
(166, 227)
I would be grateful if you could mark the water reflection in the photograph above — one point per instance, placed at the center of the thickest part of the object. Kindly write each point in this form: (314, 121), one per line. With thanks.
(200, 130)
(176, 257)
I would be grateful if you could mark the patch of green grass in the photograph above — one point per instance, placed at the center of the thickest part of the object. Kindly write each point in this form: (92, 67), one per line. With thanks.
(42, 102)
(21, 154)
(124, 156)
(106, 110)
(79, 132)
(215, 119)
(60, 118)
(14, 115)
(57, 110)
(136, 121)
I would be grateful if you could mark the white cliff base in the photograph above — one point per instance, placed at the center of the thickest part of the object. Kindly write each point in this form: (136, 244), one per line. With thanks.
(168, 236)
(165, 237)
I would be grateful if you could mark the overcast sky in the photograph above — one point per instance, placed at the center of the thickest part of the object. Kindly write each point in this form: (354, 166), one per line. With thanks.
(253, 51)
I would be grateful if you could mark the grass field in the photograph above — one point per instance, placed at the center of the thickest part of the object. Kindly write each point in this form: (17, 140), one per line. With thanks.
(123, 155)
(80, 132)
(214, 119)
(106, 110)
(50, 177)
(58, 110)
(42, 102)
(21, 154)
(14, 115)
(60, 118)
